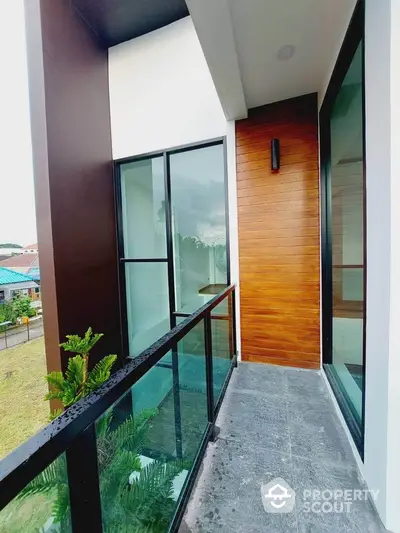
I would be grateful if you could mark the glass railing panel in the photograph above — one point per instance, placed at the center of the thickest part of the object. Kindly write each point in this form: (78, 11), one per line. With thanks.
(192, 390)
(42, 506)
(222, 344)
(148, 440)
(146, 447)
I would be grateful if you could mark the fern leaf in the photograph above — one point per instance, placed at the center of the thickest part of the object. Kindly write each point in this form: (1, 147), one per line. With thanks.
(103, 424)
(60, 507)
(74, 372)
(79, 345)
(55, 379)
(132, 433)
(54, 395)
(100, 373)
(71, 394)
(43, 483)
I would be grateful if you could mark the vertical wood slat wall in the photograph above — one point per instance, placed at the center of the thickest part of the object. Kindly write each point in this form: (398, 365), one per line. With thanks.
(279, 242)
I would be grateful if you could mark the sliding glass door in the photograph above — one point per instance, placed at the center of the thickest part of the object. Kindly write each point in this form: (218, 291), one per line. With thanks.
(198, 225)
(172, 221)
(342, 157)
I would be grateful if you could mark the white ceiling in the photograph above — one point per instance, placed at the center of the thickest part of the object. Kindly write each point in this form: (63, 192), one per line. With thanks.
(262, 27)
(257, 30)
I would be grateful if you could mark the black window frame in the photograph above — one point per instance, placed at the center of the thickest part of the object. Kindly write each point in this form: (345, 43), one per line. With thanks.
(169, 259)
(354, 37)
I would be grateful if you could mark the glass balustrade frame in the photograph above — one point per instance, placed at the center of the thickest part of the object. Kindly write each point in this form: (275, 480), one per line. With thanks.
(74, 432)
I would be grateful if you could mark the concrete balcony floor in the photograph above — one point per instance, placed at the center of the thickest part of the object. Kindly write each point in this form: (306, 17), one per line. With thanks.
(277, 422)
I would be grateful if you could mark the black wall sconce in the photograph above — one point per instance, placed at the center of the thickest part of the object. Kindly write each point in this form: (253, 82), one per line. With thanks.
(275, 155)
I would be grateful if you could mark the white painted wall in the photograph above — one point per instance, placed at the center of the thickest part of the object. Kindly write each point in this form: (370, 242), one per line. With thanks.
(393, 414)
(162, 96)
(161, 92)
(378, 176)
(345, 14)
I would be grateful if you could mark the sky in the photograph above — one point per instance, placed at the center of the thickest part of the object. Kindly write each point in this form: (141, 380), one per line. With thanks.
(17, 204)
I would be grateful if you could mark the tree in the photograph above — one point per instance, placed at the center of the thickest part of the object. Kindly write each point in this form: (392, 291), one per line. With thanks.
(10, 245)
(21, 306)
(6, 314)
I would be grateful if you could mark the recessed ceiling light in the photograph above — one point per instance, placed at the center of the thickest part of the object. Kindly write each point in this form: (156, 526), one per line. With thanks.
(286, 52)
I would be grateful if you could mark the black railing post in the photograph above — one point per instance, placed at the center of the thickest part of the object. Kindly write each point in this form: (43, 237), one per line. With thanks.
(233, 318)
(83, 481)
(177, 402)
(209, 372)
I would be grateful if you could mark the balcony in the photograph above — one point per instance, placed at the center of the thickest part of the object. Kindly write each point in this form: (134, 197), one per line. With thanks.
(278, 422)
(172, 425)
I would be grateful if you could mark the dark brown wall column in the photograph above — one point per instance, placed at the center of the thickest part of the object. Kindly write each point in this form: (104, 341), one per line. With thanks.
(68, 76)
(279, 245)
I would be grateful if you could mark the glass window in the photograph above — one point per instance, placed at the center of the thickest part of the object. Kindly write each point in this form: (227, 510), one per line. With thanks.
(147, 301)
(198, 225)
(347, 236)
(143, 209)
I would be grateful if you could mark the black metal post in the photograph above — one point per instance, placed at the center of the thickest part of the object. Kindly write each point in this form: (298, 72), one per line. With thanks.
(171, 292)
(209, 372)
(177, 402)
(83, 481)
(27, 328)
(233, 317)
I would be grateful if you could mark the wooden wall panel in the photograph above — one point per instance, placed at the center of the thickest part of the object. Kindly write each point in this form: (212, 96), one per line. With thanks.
(279, 242)
(73, 167)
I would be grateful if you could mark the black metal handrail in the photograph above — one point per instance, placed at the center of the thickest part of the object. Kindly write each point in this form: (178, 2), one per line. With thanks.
(31, 458)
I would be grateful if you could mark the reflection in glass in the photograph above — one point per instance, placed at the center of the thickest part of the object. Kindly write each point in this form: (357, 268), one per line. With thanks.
(347, 223)
(147, 304)
(143, 209)
(43, 505)
(147, 442)
(192, 389)
(198, 225)
(222, 344)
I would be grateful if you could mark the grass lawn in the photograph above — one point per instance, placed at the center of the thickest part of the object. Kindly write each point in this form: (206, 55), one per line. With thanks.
(28, 515)
(22, 389)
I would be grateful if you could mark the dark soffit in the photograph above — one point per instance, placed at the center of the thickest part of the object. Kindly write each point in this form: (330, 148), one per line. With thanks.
(116, 21)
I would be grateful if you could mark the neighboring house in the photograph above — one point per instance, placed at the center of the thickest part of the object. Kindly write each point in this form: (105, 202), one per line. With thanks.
(13, 283)
(21, 263)
(30, 249)
(252, 143)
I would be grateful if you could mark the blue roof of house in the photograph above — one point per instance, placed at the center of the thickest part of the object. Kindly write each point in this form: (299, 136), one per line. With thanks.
(8, 276)
(34, 273)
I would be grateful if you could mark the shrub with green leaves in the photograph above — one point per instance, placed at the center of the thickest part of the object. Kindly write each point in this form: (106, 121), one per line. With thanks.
(136, 498)
(21, 306)
(78, 382)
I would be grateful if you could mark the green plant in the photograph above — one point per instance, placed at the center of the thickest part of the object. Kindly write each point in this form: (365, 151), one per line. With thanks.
(135, 497)
(21, 306)
(6, 314)
(78, 382)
